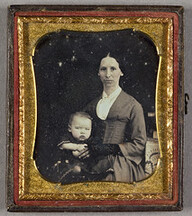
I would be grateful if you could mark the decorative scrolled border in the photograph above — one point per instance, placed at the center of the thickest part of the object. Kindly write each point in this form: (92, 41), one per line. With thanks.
(165, 198)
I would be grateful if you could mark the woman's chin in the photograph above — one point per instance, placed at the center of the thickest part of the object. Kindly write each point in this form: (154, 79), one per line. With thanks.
(109, 84)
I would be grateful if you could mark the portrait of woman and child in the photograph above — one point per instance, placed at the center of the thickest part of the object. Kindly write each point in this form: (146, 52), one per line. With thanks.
(104, 139)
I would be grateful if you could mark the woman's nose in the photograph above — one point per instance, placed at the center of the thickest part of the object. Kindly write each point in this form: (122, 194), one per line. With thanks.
(108, 73)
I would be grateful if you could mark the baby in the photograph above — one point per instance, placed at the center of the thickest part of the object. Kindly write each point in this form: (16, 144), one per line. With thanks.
(79, 162)
(79, 126)
(75, 144)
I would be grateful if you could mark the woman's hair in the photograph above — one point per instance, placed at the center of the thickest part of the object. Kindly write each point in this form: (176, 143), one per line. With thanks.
(115, 56)
(79, 114)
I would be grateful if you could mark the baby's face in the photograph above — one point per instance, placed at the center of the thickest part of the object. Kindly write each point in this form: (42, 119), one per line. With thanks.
(80, 128)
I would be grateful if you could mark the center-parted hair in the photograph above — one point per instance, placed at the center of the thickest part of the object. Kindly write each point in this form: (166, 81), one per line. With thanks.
(111, 54)
(79, 114)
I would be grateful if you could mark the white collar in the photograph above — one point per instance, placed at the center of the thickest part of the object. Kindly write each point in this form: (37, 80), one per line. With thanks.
(113, 94)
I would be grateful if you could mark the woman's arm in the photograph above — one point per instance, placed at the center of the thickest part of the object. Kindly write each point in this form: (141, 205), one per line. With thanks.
(104, 149)
(134, 149)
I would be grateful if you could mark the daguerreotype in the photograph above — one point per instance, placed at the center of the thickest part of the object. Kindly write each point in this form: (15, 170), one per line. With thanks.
(95, 98)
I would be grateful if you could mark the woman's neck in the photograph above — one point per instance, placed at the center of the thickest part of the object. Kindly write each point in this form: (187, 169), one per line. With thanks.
(110, 90)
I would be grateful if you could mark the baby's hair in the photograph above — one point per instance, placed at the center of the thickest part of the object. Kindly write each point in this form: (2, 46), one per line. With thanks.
(80, 114)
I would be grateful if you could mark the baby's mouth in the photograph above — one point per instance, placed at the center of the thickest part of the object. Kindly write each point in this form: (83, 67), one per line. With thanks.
(82, 137)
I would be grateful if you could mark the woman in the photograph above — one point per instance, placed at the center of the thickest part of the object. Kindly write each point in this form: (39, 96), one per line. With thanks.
(119, 127)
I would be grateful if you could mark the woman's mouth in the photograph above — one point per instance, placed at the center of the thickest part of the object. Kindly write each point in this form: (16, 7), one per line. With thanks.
(108, 81)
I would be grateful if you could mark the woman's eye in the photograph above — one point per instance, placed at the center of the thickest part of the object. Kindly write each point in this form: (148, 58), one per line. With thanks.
(103, 68)
(113, 68)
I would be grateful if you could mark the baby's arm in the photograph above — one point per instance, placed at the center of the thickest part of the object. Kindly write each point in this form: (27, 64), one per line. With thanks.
(72, 146)
(69, 146)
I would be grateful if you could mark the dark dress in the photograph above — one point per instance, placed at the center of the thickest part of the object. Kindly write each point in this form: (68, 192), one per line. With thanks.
(125, 127)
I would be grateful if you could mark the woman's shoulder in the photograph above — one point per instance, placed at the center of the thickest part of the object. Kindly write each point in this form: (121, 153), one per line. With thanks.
(129, 103)
(128, 98)
(91, 105)
(95, 100)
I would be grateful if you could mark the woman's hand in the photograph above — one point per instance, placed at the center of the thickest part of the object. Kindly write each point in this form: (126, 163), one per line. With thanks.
(78, 150)
(82, 153)
(81, 147)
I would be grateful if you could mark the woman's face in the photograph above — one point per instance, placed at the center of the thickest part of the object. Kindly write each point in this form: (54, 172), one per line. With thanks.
(109, 72)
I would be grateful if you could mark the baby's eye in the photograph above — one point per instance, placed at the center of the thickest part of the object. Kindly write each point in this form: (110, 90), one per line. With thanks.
(87, 128)
(77, 127)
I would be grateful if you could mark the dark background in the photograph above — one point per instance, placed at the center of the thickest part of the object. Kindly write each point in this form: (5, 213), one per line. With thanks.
(66, 67)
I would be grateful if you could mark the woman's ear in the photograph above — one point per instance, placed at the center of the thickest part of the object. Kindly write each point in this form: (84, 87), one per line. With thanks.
(121, 74)
(69, 128)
